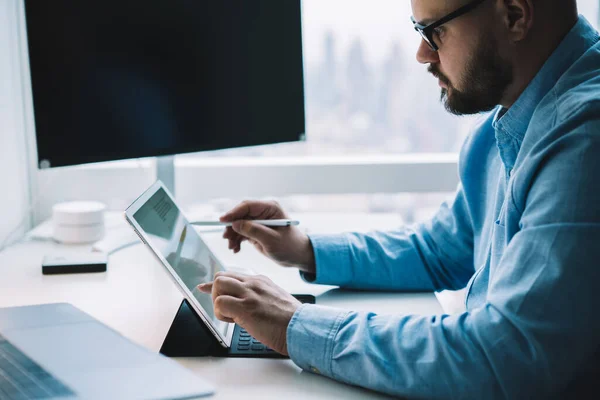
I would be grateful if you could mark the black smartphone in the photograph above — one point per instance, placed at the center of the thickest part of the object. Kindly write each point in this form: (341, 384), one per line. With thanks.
(305, 298)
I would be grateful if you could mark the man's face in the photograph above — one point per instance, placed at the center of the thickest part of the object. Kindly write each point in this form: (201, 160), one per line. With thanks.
(472, 73)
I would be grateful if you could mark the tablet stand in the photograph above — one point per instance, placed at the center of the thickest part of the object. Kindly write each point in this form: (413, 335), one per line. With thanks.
(189, 337)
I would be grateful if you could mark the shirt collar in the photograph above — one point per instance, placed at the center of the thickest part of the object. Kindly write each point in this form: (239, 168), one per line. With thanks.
(515, 121)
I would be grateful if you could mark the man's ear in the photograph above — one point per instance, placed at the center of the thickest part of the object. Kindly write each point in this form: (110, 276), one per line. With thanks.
(518, 18)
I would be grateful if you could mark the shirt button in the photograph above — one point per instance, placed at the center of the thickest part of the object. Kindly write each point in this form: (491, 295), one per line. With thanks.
(315, 370)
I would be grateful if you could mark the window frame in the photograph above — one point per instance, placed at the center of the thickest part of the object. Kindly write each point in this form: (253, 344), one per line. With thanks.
(200, 180)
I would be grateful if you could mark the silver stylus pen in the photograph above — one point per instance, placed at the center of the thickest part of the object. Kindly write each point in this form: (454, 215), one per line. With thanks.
(266, 222)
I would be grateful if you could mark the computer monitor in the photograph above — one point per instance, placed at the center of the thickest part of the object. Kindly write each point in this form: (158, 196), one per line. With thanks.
(119, 79)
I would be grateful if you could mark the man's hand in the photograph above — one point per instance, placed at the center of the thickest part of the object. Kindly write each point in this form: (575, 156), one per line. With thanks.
(287, 246)
(256, 304)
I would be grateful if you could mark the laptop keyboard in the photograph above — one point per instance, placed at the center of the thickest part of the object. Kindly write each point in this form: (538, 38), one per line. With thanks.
(248, 343)
(23, 378)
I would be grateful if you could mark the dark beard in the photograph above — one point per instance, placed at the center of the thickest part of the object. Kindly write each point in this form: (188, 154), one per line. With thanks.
(487, 77)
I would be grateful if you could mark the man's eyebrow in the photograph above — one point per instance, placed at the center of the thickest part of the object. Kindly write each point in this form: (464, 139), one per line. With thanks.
(426, 21)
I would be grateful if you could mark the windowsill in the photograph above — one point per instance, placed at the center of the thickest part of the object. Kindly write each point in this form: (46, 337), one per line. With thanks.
(197, 160)
(368, 159)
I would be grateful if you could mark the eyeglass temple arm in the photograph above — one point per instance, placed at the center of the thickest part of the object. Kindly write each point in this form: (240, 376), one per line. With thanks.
(463, 10)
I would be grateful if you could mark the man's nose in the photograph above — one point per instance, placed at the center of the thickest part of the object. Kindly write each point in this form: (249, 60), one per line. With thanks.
(426, 55)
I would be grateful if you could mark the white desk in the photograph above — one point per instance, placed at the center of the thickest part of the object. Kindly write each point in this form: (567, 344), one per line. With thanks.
(137, 298)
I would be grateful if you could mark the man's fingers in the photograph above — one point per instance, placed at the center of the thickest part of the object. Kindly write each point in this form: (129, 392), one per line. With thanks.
(234, 275)
(234, 239)
(228, 283)
(242, 210)
(259, 247)
(239, 242)
(227, 292)
(254, 210)
(206, 287)
(227, 308)
(255, 231)
(228, 274)
(228, 286)
(232, 244)
(229, 233)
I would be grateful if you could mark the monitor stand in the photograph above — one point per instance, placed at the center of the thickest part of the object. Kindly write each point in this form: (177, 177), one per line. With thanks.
(165, 172)
(123, 237)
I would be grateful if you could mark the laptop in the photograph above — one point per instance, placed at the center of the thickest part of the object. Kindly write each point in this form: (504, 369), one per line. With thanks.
(56, 351)
(161, 225)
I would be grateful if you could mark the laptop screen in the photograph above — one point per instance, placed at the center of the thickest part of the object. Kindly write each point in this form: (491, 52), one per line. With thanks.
(170, 234)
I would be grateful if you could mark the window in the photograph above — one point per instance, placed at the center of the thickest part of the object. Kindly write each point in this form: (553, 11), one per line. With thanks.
(366, 96)
(365, 91)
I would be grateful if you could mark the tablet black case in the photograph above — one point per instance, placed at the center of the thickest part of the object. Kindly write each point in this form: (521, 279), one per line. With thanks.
(189, 336)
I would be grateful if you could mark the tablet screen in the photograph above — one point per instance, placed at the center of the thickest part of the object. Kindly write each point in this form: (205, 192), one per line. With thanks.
(170, 234)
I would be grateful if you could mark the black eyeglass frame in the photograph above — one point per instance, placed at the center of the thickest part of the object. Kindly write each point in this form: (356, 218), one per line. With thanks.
(426, 31)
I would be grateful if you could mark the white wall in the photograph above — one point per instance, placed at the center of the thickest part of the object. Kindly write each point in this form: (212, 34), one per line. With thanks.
(14, 193)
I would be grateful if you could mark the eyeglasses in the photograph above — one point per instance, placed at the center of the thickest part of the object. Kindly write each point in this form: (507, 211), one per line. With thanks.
(427, 31)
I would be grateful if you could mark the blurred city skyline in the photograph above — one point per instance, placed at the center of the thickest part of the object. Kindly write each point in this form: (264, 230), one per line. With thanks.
(365, 91)
(359, 105)
(366, 94)
(377, 22)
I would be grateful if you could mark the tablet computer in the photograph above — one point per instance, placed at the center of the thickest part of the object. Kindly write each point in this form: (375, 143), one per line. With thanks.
(161, 225)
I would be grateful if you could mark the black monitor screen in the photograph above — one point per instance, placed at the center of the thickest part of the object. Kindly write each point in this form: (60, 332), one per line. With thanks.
(115, 79)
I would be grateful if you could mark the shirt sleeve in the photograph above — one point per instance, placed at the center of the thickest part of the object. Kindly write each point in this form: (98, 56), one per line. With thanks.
(436, 255)
(536, 333)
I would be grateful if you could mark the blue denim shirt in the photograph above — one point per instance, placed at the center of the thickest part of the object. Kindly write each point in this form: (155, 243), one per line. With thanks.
(522, 234)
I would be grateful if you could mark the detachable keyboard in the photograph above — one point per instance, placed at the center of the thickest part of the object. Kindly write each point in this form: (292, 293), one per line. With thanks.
(246, 342)
(22, 378)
